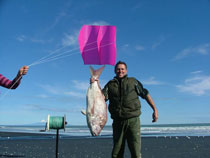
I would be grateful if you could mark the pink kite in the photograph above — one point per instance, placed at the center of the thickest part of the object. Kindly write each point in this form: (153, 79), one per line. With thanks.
(98, 44)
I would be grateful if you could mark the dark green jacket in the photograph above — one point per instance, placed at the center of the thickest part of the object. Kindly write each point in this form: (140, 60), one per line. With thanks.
(123, 97)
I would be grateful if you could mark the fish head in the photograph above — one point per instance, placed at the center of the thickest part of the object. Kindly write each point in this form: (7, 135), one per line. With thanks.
(95, 130)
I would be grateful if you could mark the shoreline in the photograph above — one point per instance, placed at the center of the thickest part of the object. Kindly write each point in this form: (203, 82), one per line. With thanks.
(152, 147)
(42, 135)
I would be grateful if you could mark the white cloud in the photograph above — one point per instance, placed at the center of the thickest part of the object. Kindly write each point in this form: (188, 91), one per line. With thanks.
(70, 39)
(197, 85)
(158, 42)
(75, 94)
(183, 53)
(43, 121)
(43, 96)
(196, 72)
(64, 13)
(51, 89)
(83, 85)
(125, 47)
(41, 41)
(47, 108)
(21, 38)
(152, 81)
(80, 85)
(203, 49)
(78, 89)
(139, 47)
(130, 49)
(58, 18)
(99, 23)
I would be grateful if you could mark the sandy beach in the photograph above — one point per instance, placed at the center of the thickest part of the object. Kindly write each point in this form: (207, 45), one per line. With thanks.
(38, 146)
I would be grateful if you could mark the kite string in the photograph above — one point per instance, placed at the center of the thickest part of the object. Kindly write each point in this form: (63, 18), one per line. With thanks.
(62, 55)
(47, 57)
(45, 61)
(53, 52)
(51, 58)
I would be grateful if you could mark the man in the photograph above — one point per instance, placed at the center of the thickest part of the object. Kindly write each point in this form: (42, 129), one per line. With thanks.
(124, 107)
(4, 82)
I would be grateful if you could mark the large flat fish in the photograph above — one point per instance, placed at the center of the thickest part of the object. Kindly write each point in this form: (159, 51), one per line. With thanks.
(96, 110)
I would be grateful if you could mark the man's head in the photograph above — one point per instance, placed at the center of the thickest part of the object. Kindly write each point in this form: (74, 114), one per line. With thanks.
(120, 69)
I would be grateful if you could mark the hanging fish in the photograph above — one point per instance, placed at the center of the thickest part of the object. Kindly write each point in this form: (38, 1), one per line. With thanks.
(98, 44)
(96, 108)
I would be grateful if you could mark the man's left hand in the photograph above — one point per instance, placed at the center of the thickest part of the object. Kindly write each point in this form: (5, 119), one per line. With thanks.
(155, 116)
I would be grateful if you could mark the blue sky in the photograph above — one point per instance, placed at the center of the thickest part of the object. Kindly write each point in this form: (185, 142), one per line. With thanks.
(165, 44)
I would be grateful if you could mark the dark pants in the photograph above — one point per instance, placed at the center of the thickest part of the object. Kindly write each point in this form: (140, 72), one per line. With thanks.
(129, 130)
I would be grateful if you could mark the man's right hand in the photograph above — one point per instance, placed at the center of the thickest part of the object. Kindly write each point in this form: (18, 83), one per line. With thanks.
(93, 80)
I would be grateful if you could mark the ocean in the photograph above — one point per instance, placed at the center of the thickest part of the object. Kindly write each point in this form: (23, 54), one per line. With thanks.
(158, 130)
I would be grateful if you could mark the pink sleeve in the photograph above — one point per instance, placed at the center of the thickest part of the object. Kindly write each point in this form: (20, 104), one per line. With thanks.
(4, 82)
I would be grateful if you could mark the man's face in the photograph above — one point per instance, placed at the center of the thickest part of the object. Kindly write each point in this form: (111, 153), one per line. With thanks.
(121, 70)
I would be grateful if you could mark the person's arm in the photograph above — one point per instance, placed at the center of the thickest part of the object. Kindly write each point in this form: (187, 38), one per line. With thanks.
(152, 105)
(105, 92)
(141, 91)
(4, 82)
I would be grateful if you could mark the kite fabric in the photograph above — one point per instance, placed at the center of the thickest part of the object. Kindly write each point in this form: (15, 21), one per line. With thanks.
(98, 44)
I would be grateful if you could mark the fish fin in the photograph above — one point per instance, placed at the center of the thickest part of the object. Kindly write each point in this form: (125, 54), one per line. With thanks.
(92, 71)
(83, 112)
(96, 73)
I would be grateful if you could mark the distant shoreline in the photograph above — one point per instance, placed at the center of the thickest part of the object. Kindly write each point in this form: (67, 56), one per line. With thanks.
(142, 125)
(83, 131)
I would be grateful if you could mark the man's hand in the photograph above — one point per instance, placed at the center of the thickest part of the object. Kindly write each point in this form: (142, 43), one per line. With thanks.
(152, 105)
(93, 80)
(155, 116)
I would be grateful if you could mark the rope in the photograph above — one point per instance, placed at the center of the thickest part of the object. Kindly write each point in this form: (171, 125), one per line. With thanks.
(62, 55)
(49, 56)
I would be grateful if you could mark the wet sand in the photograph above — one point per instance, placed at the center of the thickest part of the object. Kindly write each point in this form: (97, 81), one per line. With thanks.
(78, 147)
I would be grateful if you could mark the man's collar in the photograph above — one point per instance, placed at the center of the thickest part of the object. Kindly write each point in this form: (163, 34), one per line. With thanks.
(116, 77)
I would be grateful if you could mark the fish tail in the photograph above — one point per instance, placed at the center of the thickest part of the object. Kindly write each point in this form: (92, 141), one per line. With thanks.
(96, 73)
